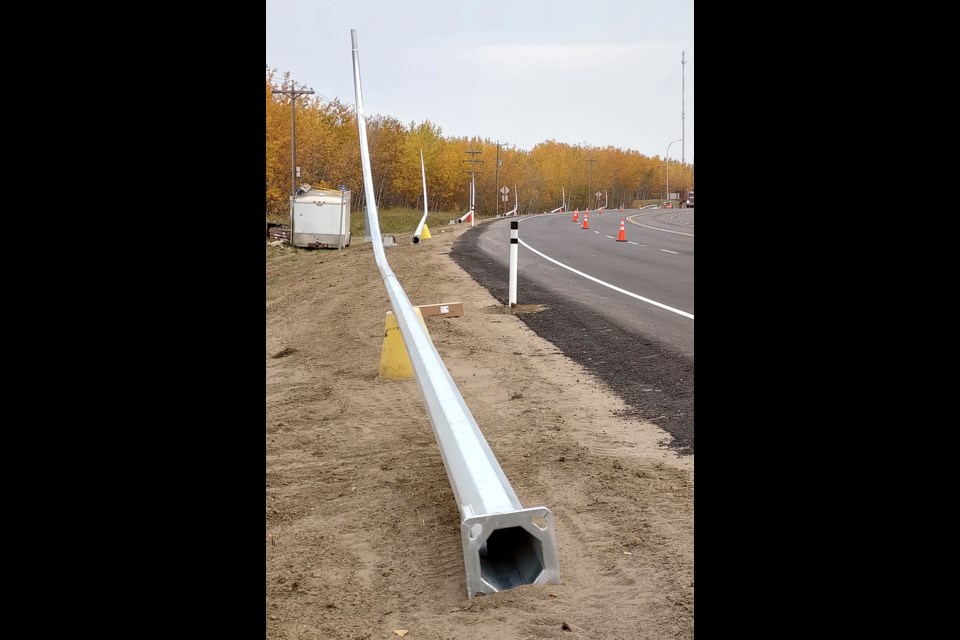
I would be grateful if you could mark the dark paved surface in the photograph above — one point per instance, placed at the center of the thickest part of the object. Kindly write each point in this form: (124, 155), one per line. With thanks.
(642, 268)
(654, 380)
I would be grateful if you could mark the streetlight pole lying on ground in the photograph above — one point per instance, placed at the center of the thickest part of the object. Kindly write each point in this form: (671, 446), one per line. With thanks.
(668, 169)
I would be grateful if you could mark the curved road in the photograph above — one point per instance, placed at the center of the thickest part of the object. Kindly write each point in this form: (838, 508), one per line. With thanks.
(623, 310)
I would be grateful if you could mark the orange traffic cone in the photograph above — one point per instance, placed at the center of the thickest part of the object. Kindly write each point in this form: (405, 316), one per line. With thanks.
(622, 236)
(586, 223)
(576, 216)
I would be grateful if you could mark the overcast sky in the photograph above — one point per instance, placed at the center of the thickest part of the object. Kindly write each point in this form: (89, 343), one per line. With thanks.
(594, 72)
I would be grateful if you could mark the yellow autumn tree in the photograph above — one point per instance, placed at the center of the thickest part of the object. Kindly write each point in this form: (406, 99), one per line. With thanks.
(328, 154)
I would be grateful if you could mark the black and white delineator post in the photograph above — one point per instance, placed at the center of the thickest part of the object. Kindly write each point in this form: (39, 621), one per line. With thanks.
(514, 248)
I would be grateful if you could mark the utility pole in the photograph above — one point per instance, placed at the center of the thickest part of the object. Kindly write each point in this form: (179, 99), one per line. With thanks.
(473, 183)
(682, 99)
(293, 93)
(590, 181)
(497, 172)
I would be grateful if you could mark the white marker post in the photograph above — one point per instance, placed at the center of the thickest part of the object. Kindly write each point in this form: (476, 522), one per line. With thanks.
(514, 248)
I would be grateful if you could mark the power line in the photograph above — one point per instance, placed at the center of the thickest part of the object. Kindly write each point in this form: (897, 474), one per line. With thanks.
(652, 100)
(280, 85)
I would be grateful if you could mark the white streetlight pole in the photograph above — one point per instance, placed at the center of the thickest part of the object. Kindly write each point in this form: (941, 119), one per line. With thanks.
(668, 168)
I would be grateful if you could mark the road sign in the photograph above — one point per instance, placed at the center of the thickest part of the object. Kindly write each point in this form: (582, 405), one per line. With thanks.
(342, 187)
(504, 190)
(599, 194)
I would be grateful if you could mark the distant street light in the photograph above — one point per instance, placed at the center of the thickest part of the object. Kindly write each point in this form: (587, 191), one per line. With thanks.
(668, 168)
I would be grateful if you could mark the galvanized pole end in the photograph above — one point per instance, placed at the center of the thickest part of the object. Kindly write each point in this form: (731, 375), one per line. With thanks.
(506, 550)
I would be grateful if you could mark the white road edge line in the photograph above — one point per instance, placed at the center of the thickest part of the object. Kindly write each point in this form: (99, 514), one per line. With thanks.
(608, 285)
(640, 224)
(668, 251)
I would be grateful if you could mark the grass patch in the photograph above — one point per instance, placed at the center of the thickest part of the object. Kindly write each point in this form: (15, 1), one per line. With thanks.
(282, 255)
(392, 221)
(401, 220)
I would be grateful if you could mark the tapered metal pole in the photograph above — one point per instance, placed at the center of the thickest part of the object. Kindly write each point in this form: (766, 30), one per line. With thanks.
(668, 170)
(683, 66)
(504, 544)
(419, 230)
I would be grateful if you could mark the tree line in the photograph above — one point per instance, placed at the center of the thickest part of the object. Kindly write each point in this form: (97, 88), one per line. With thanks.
(328, 153)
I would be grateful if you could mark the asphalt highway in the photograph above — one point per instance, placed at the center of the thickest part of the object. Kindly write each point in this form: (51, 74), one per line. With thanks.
(624, 310)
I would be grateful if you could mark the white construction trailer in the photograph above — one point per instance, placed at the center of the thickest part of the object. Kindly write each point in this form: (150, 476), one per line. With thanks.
(321, 218)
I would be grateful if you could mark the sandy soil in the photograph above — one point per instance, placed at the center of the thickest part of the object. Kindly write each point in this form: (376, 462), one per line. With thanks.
(362, 531)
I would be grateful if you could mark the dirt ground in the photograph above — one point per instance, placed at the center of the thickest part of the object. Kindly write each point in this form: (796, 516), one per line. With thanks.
(362, 530)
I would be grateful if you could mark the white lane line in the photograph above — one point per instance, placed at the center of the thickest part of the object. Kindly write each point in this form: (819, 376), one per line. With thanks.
(631, 242)
(608, 285)
(668, 251)
(606, 236)
(640, 224)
